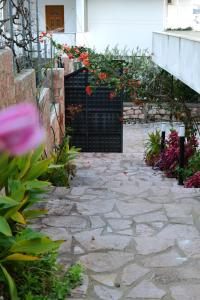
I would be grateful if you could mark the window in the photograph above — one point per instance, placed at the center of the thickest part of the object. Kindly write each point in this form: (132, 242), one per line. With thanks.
(55, 18)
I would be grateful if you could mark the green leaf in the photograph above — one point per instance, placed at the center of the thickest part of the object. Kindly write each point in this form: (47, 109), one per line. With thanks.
(28, 234)
(17, 189)
(19, 218)
(36, 184)
(35, 246)
(38, 169)
(20, 257)
(11, 284)
(37, 154)
(5, 227)
(7, 202)
(24, 164)
(31, 214)
(52, 166)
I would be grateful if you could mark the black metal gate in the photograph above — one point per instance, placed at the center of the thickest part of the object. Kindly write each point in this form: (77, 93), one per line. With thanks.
(99, 126)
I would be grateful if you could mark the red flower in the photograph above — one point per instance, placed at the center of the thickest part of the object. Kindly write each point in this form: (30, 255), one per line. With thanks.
(112, 95)
(102, 75)
(83, 56)
(77, 50)
(71, 56)
(88, 90)
(86, 62)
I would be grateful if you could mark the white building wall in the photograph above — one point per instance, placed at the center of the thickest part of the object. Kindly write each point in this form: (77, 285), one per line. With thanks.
(127, 23)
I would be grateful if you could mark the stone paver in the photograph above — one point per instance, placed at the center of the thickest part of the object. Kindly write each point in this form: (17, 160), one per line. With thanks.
(135, 231)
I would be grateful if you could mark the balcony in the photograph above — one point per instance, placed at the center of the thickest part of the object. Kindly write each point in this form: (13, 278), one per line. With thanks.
(178, 53)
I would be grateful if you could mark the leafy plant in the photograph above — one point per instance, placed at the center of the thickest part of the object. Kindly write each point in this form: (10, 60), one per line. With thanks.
(19, 179)
(44, 279)
(152, 152)
(63, 167)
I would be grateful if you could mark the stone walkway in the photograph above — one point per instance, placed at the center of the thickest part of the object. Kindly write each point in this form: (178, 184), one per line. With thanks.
(135, 232)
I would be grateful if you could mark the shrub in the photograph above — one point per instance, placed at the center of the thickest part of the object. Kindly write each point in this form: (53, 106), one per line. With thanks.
(193, 181)
(169, 159)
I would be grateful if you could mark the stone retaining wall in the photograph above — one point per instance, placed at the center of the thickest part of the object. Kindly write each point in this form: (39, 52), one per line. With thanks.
(16, 88)
(144, 113)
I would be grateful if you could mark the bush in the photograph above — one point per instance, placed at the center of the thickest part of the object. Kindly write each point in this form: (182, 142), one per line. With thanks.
(44, 279)
(169, 159)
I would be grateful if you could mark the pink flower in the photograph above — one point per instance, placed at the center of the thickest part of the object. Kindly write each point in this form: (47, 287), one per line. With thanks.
(20, 129)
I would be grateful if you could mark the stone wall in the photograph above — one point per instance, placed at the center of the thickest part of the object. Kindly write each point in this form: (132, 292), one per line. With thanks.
(144, 113)
(16, 88)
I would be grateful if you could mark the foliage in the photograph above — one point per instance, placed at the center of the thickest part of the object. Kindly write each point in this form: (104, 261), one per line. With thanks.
(19, 180)
(167, 92)
(169, 159)
(63, 167)
(193, 181)
(44, 279)
(152, 152)
(135, 76)
(193, 165)
(120, 71)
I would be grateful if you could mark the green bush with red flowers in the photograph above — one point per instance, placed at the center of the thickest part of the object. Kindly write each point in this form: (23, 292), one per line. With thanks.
(125, 73)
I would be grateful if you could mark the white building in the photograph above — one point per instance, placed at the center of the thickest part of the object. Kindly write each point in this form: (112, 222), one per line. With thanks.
(99, 23)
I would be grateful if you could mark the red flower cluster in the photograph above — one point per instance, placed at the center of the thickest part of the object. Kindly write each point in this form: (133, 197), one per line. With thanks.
(102, 75)
(83, 56)
(71, 56)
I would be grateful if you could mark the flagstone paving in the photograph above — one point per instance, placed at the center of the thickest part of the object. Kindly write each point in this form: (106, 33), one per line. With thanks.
(135, 232)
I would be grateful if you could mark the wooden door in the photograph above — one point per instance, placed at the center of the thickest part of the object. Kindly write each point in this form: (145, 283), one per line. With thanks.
(55, 18)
